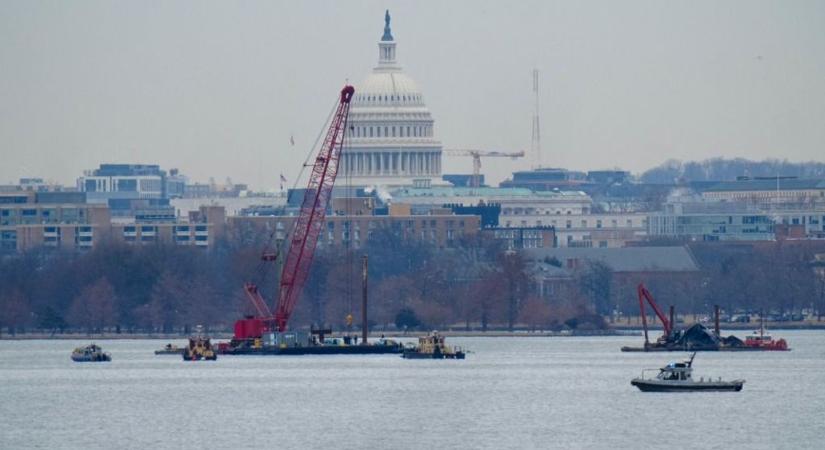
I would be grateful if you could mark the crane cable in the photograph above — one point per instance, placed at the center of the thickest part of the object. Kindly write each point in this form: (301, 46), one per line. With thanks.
(261, 268)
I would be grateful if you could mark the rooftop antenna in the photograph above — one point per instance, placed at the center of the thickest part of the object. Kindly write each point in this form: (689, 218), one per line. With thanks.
(535, 143)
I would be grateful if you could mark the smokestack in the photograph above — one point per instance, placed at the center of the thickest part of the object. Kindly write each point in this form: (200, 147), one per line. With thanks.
(716, 320)
(364, 326)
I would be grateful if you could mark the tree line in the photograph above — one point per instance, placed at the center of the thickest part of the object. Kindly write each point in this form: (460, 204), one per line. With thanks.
(116, 287)
(474, 285)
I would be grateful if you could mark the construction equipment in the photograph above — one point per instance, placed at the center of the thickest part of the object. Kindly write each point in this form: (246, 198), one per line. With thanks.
(305, 232)
(476, 154)
(644, 294)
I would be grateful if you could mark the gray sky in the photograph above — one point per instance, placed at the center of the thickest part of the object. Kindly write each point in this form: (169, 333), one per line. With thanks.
(216, 88)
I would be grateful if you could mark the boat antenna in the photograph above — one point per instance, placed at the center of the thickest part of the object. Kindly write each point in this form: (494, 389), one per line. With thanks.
(690, 362)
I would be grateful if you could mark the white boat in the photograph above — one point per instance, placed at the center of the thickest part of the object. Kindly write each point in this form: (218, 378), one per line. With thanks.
(678, 377)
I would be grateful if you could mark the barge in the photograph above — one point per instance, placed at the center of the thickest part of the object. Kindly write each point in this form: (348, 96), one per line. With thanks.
(252, 337)
(697, 337)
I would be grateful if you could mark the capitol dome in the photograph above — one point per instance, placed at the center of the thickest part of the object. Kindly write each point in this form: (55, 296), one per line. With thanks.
(390, 141)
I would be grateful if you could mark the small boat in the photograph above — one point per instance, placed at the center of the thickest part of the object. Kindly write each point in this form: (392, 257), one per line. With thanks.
(170, 349)
(762, 340)
(199, 348)
(90, 353)
(677, 377)
(432, 346)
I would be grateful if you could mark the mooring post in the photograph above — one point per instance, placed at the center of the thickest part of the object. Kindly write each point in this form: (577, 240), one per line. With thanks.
(364, 326)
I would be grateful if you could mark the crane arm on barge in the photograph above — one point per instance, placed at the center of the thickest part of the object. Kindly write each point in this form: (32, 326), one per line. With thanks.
(305, 232)
(644, 294)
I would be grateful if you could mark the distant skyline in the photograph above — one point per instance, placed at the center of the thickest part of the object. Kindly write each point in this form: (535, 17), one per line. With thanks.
(217, 89)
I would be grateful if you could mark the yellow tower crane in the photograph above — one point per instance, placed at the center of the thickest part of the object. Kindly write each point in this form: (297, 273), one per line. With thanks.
(476, 154)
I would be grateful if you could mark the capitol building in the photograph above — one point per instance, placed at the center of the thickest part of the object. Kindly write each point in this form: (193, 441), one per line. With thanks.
(390, 141)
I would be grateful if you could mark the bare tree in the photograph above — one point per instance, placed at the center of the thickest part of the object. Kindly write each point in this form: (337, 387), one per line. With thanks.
(95, 307)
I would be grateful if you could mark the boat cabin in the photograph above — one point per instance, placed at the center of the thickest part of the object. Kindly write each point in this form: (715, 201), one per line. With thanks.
(676, 372)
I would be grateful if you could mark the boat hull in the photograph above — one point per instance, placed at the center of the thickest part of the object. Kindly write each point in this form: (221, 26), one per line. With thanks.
(707, 386)
(178, 351)
(85, 358)
(418, 355)
(317, 350)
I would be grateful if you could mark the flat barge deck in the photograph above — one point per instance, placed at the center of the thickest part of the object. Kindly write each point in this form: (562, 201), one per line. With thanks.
(378, 349)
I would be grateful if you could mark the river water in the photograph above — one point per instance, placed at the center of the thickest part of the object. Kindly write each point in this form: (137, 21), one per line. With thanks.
(530, 392)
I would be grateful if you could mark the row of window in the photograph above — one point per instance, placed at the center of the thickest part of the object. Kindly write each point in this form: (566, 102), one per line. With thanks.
(614, 223)
(389, 98)
(390, 131)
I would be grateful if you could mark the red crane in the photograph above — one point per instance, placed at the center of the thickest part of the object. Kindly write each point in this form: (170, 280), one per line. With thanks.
(305, 232)
(644, 294)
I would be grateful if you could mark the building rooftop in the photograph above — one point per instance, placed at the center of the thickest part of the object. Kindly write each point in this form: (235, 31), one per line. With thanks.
(481, 192)
(766, 184)
(628, 259)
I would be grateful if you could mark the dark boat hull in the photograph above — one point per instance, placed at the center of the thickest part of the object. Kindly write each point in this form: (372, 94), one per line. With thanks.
(318, 350)
(178, 351)
(647, 386)
(105, 358)
(693, 349)
(417, 355)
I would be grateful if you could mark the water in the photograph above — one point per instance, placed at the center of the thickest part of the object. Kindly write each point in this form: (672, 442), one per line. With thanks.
(509, 393)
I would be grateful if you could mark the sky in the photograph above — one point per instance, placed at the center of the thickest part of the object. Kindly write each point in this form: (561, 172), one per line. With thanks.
(216, 88)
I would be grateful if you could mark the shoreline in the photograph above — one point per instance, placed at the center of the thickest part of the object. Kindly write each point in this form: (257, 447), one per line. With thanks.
(626, 330)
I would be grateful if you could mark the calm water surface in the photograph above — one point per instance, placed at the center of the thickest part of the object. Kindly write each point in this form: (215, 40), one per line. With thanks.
(509, 393)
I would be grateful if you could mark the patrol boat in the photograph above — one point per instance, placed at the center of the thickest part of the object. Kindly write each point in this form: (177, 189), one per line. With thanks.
(90, 353)
(677, 377)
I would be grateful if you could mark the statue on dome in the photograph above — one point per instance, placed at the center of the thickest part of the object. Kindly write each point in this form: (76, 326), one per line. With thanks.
(387, 33)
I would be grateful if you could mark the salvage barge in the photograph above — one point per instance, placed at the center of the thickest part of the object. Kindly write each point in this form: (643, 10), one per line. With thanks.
(695, 338)
(253, 337)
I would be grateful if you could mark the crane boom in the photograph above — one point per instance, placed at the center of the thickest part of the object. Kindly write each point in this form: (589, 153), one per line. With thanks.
(310, 221)
(644, 294)
(313, 210)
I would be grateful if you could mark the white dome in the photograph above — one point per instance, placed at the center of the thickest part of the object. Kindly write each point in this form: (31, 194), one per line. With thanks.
(390, 130)
(387, 87)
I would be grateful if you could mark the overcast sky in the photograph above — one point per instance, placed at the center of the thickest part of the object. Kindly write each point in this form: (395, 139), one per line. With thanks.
(216, 88)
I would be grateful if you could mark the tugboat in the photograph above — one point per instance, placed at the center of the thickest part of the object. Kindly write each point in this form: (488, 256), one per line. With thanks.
(199, 348)
(761, 340)
(90, 353)
(432, 346)
(170, 349)
(677, 377)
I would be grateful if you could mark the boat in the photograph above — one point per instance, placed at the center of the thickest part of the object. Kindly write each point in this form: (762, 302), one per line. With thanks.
(200, 347)
(170, 349)
(317, 342)
(762, 340)
(90, 353)
(678, 377)
(432, 346)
